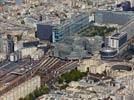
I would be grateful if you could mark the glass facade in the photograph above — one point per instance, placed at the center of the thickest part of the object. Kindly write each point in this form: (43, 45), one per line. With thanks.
(69, 28)
(1, 43)
(108, 54)
(10, 44)
(106, 17)
(122, 40)
(44, 32)
(74, 47)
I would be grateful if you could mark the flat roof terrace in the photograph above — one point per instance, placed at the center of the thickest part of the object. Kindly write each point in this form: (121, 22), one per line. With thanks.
(116, 35)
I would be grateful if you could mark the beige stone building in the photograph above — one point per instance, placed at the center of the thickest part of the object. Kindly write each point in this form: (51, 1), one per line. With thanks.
(94, 66)
(22, 90)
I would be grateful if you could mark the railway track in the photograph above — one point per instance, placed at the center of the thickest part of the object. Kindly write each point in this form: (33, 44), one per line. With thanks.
(51, 67)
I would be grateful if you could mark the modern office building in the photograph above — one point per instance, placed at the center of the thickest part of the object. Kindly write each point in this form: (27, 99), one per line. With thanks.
(117, 40)
(44, 32)
(57, 32)
(76, 24)
(74, 47)
(126, 6)
(113, 17)
(115, 46)
(108, 53)
(10, 45)
(1, 42)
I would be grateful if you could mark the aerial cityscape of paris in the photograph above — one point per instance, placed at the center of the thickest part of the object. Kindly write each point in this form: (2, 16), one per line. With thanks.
(66, 49)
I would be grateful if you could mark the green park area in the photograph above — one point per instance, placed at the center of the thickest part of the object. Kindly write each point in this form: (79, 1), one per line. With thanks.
(62, 81)
(97, 31)
(73, 75)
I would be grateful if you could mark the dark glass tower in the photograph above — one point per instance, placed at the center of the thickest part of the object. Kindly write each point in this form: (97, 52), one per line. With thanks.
(10, 44)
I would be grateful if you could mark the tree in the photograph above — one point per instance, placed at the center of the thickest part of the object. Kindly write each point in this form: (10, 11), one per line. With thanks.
(22, 22)
(21, 99)
(37, 93)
